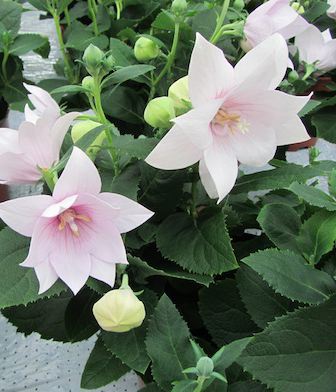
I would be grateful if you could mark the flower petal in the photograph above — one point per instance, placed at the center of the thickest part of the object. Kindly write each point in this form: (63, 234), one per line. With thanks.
(292, 131)
(42, 100)
(222, 166)
(57, 208)
(9, 141)
(46, 276)
(255, 147)
(131, 214)
(16, 169)
(264, 66)
(79, 176)
(310, 43)
(22, 214)
(106, 272)
(210, 74)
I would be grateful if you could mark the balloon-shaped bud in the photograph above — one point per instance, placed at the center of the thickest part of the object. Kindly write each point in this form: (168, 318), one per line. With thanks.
(179, 6)
(145, 49)
(205, 366)
(119, 311)
(88, 83)
(81, 128)
(159, 112)
(93, 58)
(179, 93)
(238, 5)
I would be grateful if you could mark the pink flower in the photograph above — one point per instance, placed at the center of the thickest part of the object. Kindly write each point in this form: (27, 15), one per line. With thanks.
(332, 9)
(76, 231)
(274, 16)
(44, 105)
(317, 47)
(237, 115)
(35, 145)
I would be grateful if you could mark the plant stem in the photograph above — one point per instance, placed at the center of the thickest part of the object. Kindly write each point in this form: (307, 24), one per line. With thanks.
(67, 16)
(4, 64)
(200, 382)
(216, 34)
(170, 60)
(92, 11)
(68, 70)
(124, 282)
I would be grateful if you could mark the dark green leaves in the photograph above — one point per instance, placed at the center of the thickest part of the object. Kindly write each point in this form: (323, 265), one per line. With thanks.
(168, 344)
(296, 352)
(289, 275)
(127, 73)
(325, 125)
(10, 15)
(18, 285)
(314, 196)
(27, 42)
(101, 368)
(203, 246)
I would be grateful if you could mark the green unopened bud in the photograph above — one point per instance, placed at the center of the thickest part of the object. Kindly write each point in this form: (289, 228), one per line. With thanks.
(179, 6)
(179, 93)
(92, 58)
(159, 112)
(293, 76)
(238, 5)
(245, 45)
(298, 7)
(108, 63)
(119, 311)
(145, 49)
(88, 83)
(205, 366)
(81, 128)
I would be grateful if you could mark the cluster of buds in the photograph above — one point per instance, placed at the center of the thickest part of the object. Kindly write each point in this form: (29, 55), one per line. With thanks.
(160, 111)
(96, 61)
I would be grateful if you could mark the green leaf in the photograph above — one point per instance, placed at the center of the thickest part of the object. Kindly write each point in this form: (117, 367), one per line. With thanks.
(127, 73)
(184, 386)
(24, 43)
(247, 386)
(19, 285)
(138, 148)
(79, 320)
(325, 124)
(130, 347)
(151, 388)
(262, 303)
(101, 368)
(80, 38)
(45, 316)
(69, 89)
(164, 21)
(289, 275)
(296, 352)
(123, 54)
(224, 313)
(10, 15)
(332, 182)
(309, 107)
(281, 224)
(143, 271)
(228, 354)
(313, 196)
(318, 235)
(317, 9)
(202, 247)
(168, 344)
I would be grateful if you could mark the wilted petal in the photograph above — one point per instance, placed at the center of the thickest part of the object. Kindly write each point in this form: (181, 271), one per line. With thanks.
(106, 272)
(23, 213)
(79, 176)
(46, 276)
(222, 166)
(264, 66)
(210, 74)
(131, 215)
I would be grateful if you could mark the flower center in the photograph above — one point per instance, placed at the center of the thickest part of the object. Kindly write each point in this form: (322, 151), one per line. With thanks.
(68, 218)
(232, 121)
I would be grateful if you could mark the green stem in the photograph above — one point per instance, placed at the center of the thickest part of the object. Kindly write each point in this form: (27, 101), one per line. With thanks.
(50, 178)
(200, 383)
(67, 16)
(4, 64)
(216, 34)
(92, 11)
(170, 60)
(124, 282)
(119, 8)
(68, 70)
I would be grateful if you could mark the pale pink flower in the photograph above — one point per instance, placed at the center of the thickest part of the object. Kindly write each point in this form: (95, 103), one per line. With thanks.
(237, 115)
(33, 146)
(76, 231)
(332, 9)
(274, 16)
(44, 104)
(317, 47)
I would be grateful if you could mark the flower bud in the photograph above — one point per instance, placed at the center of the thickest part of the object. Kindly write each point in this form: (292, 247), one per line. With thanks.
(119, 311)
(145, 49)
(293, 76)
(179, 6)
(108, 63)
(81, 128)
(205, 366)
(159, 112)
(238, 5)
(179, 93)
(88, 83)
(298, 7)
(245, 45)
(92, 58)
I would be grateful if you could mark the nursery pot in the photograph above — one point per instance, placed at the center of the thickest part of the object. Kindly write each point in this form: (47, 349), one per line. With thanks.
(3, 124)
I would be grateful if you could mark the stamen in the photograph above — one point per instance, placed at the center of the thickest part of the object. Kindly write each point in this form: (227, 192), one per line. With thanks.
(232, 121)
(69, 217)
